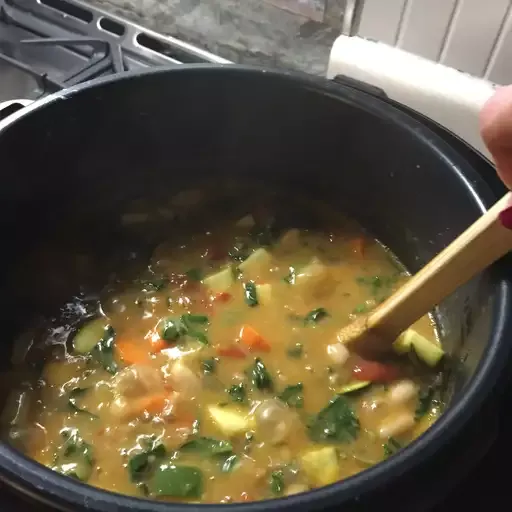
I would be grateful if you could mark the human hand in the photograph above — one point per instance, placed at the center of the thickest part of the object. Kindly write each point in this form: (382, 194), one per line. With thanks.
(496, 130)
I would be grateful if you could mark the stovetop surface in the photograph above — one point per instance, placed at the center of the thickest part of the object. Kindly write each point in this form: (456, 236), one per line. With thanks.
(48, 45)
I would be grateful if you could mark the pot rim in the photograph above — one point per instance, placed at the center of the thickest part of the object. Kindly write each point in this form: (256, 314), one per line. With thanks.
(46, 486)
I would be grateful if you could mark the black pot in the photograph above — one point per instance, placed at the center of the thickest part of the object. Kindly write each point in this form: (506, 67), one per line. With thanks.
(70, 162)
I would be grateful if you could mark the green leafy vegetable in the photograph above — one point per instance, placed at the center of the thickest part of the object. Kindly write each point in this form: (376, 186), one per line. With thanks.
(218, 450)
(72, 401)
(336, 423)
(229, 463)
(290, 277)
(75, 457)
(236, 273)
(194, 326)
(313, 317)
(141, 463)
(177, 481)
(237, 392)
(250, 294)
(361, 308)
(295, 351)
(425, 402)
(103, 352)
(207, 446)
(277, 482)
(240, 251)
(292, 395)
(380, 286)
(260, 377)
(208, 366)
(391, 447)
(194, 274)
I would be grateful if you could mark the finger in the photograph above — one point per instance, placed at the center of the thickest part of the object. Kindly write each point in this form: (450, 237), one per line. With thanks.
(496, 130)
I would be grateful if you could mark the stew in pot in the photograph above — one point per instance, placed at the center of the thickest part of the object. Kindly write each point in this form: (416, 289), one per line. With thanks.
(216, 375)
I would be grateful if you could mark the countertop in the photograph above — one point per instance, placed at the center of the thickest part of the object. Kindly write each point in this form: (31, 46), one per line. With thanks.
(243, 31)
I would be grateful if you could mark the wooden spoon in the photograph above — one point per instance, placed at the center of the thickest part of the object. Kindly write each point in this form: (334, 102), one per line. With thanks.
(485, 241)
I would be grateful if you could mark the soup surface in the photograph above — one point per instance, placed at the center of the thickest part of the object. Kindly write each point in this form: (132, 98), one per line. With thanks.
(216, 375)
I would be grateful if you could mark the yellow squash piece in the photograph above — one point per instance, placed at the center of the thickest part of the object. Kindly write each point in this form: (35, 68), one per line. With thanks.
(321, 466)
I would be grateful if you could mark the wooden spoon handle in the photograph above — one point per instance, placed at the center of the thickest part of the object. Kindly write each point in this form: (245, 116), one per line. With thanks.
(481, 244)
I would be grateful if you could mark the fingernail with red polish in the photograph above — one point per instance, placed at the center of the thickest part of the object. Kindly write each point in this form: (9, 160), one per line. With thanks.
(506, 217)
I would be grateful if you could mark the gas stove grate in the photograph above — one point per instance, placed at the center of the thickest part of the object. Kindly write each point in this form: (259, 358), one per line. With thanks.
(60, 43)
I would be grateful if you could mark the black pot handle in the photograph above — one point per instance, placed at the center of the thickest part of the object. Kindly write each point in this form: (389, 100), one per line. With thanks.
(354, 83)
(10, 107)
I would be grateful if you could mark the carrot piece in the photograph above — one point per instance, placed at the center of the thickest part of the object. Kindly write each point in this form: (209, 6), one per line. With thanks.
(253, 340)
(358, 246)
(157, 344)
(154, 404)
(222, 297)
(132, 352)
(231, 351)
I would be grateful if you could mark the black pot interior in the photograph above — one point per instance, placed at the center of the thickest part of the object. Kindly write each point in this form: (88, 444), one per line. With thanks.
(71, 167)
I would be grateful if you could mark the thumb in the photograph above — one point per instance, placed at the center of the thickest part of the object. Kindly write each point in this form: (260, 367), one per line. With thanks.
(496, 130)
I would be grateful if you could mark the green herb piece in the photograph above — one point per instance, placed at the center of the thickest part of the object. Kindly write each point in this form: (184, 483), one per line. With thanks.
(237, 392)
(290, 277)
(194, 319)
(141, 463)
(240, 251)
(103, 352)
(219, 450)
(72, 398)
(336, 423)
(277, 482)
(207, 446)
(172, 329)
(295, 351)
(292, 395)
(229, 463)
(391, 447)
(208, 366)
(380, 286)
(313, 317)
(194, 274)
(75, 457)
(361, 308)
(177, 481)
(250, 294)
(260, 377)
(425, 402)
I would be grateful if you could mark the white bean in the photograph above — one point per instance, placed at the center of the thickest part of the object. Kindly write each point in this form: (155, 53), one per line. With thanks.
(137, 380)
(402, 392)
(184, 380)
(338, 353)
(396, 425)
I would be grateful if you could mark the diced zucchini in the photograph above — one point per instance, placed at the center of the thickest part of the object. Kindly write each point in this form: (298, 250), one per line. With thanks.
(88, 335)
(428, 352)
(259, 259)
(229, 421)
(264, 293)
(321, 466)
(245, 222)
(220, 281)
(353, 386)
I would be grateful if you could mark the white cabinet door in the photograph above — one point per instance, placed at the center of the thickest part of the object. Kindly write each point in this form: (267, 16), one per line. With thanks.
(474, 36)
